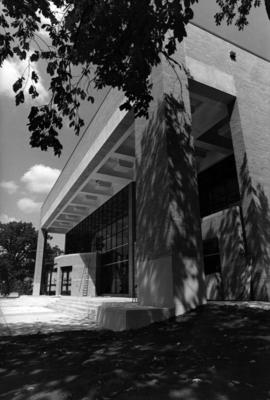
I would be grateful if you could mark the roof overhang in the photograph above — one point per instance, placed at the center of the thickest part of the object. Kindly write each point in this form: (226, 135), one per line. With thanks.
(104, 168)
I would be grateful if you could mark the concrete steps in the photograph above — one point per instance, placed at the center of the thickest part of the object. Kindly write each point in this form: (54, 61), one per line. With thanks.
(76, 306)
(85, 307)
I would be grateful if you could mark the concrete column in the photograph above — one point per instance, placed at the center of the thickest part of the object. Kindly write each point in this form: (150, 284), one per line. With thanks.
(58, 281)
(131, 238)
(169, 245)
(42, 235)
(250, 123)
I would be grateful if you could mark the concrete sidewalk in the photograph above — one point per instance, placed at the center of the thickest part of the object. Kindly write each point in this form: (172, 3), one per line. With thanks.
(31, 315)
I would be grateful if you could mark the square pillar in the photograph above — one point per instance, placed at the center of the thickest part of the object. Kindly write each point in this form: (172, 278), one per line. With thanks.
(168, 228)
(58, 281)
(41, 244)
(251, 142)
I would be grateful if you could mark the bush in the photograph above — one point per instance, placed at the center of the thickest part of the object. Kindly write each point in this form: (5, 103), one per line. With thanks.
(20, 287)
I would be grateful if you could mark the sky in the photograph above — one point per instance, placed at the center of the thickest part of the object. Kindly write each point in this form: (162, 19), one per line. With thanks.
(28, 174)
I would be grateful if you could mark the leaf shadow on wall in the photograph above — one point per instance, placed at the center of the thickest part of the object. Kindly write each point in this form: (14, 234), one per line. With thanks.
(168, 221)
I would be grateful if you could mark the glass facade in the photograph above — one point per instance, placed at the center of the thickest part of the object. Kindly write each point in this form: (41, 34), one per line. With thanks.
(106, 231)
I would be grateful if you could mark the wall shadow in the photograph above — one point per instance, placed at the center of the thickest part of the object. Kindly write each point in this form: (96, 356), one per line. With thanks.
(234, 274)
(213, 352)
(256, 215)
(244, 237)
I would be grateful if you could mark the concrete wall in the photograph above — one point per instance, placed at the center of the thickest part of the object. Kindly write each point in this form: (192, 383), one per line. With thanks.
(235, 272)
(168, 239)
(168, 249)
(41, 244)
(83, 274)
(248, 79)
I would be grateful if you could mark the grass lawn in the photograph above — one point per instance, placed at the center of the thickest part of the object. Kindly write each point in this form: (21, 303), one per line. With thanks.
(215, 352)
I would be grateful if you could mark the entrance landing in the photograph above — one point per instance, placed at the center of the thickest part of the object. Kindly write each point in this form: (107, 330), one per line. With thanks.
(113, 313)
(33, 315)
(43, 314)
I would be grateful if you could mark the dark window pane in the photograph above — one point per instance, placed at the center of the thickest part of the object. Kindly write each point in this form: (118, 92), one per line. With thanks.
(218, 187)
(212, 264)
(211, 256)
(210, 246)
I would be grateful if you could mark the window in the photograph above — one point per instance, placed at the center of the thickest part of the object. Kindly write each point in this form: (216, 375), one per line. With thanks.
(103, 230)
(218, 187)
(106, 231)
(211, 256)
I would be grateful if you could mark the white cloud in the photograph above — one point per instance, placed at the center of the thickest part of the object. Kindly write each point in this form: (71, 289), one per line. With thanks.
(10, 186)
(4, 218)
(13, 69)
(28, 205)
(40, 178)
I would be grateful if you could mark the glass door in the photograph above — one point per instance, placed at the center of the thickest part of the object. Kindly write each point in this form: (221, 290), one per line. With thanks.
(50, 282)
(66, 281)
(115, 271)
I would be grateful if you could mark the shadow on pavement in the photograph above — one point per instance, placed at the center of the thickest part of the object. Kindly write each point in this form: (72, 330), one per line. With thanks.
(215, 352)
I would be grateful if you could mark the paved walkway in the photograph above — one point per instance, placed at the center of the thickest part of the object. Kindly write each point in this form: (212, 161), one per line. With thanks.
(31, 315)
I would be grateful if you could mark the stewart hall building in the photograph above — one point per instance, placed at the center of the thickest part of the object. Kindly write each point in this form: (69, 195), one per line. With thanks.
(162, 214)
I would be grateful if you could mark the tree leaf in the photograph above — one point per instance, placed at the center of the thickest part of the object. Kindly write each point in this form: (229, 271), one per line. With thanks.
(19, 98)
(18, 84)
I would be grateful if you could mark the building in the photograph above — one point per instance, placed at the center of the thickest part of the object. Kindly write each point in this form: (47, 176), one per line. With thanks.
(173, 209)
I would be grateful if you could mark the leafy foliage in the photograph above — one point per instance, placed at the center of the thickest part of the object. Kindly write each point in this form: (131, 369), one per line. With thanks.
(238, 11)
(91, 44)
(18, 242)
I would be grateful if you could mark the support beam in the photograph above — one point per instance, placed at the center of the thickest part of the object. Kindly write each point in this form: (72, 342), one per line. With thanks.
(131, 238)
(212, 147)
(125, 157)
(112, 178)
(42, 237)
(90, 204)
(54, 229)
(64, 223)
(108, 193)
(77, 214)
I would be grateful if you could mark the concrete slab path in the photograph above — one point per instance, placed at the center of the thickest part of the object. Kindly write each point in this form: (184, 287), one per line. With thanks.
(31, 315)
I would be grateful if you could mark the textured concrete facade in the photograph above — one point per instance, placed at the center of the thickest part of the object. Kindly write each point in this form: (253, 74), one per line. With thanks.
(168, 250)
(250, 127)
(83, 273)
(235, 273)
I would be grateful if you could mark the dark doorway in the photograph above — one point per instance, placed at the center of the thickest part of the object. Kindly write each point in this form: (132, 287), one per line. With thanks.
(66, 281)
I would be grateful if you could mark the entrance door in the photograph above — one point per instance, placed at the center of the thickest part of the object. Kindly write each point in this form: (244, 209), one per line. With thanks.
(50, 282)
(115, 271)
(66, 281)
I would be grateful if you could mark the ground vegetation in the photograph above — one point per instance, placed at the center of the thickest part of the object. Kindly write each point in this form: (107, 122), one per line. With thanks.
(18, 243)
